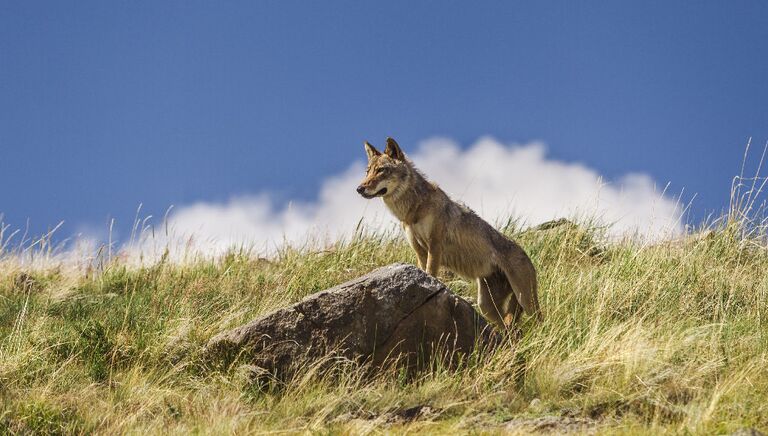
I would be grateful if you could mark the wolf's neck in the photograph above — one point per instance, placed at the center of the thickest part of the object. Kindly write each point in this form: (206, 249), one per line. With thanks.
(410, 197)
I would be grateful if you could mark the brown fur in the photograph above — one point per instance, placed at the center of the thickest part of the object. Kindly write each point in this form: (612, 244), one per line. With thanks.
(446, 233)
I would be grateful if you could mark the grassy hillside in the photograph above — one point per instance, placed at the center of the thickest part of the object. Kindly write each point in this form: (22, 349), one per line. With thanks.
(670, 337)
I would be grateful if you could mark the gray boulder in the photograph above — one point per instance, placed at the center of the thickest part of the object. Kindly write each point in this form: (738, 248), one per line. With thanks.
(397, 313)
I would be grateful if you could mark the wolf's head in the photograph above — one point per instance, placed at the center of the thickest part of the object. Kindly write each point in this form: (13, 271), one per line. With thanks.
(386, 172)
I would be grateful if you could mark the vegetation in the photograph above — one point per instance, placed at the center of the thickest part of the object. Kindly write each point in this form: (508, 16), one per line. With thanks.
(669, 337)
(666, 337)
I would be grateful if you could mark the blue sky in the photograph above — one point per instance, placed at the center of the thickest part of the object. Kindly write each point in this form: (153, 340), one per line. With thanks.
(105, 105)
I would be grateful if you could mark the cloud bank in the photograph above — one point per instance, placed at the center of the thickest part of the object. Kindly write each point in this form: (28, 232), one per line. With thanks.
(496, 180)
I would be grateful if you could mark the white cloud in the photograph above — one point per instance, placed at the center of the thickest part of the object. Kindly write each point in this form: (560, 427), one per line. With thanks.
(496, 180)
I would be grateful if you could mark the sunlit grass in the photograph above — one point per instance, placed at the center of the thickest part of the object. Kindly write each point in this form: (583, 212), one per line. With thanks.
(665, 337)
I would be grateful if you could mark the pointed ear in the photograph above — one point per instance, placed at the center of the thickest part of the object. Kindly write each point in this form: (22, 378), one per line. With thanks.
(393, 150)
(371, 151)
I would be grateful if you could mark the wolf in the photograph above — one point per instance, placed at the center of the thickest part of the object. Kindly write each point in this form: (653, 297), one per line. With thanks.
(443, 232)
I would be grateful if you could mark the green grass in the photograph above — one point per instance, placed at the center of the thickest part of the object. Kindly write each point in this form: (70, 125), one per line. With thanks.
(671, 337)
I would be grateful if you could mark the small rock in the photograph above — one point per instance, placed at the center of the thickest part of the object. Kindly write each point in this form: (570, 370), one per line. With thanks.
(414, 413)
(555, 223)
(344, 417)
(249, 374)
(535, 405)
(747, 431)
(25, 282)
(552, 425)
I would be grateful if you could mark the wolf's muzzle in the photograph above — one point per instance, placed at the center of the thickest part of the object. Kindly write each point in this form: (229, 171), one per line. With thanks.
(361, 191)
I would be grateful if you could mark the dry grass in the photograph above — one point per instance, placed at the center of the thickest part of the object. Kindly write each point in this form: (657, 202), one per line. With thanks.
(659, 338)
(638, 338)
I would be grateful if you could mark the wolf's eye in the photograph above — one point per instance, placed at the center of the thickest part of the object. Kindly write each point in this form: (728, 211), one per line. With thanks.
(382, 171)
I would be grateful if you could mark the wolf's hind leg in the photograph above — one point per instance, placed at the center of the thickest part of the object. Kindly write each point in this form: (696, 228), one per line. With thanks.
(494, 296)
(488, 307)
(512, 310)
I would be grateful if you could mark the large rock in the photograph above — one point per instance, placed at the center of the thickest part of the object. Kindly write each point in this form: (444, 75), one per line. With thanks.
(395, 313)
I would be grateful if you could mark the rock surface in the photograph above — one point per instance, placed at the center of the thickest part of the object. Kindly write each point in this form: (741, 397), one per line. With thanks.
(747, 431)
(551, 425)
(397, 311)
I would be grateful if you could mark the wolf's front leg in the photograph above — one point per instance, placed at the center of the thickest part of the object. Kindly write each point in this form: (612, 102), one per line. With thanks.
(433, 259)
(421, 252)
(422, 256)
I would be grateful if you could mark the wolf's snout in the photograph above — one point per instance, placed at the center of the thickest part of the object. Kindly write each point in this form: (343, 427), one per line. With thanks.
(360, 189)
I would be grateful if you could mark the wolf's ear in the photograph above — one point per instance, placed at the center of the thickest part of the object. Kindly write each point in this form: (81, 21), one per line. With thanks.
(393, 150)
(371, 151)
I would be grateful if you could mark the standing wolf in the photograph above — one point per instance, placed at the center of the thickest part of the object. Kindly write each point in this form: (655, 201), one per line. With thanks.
(446, 233)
